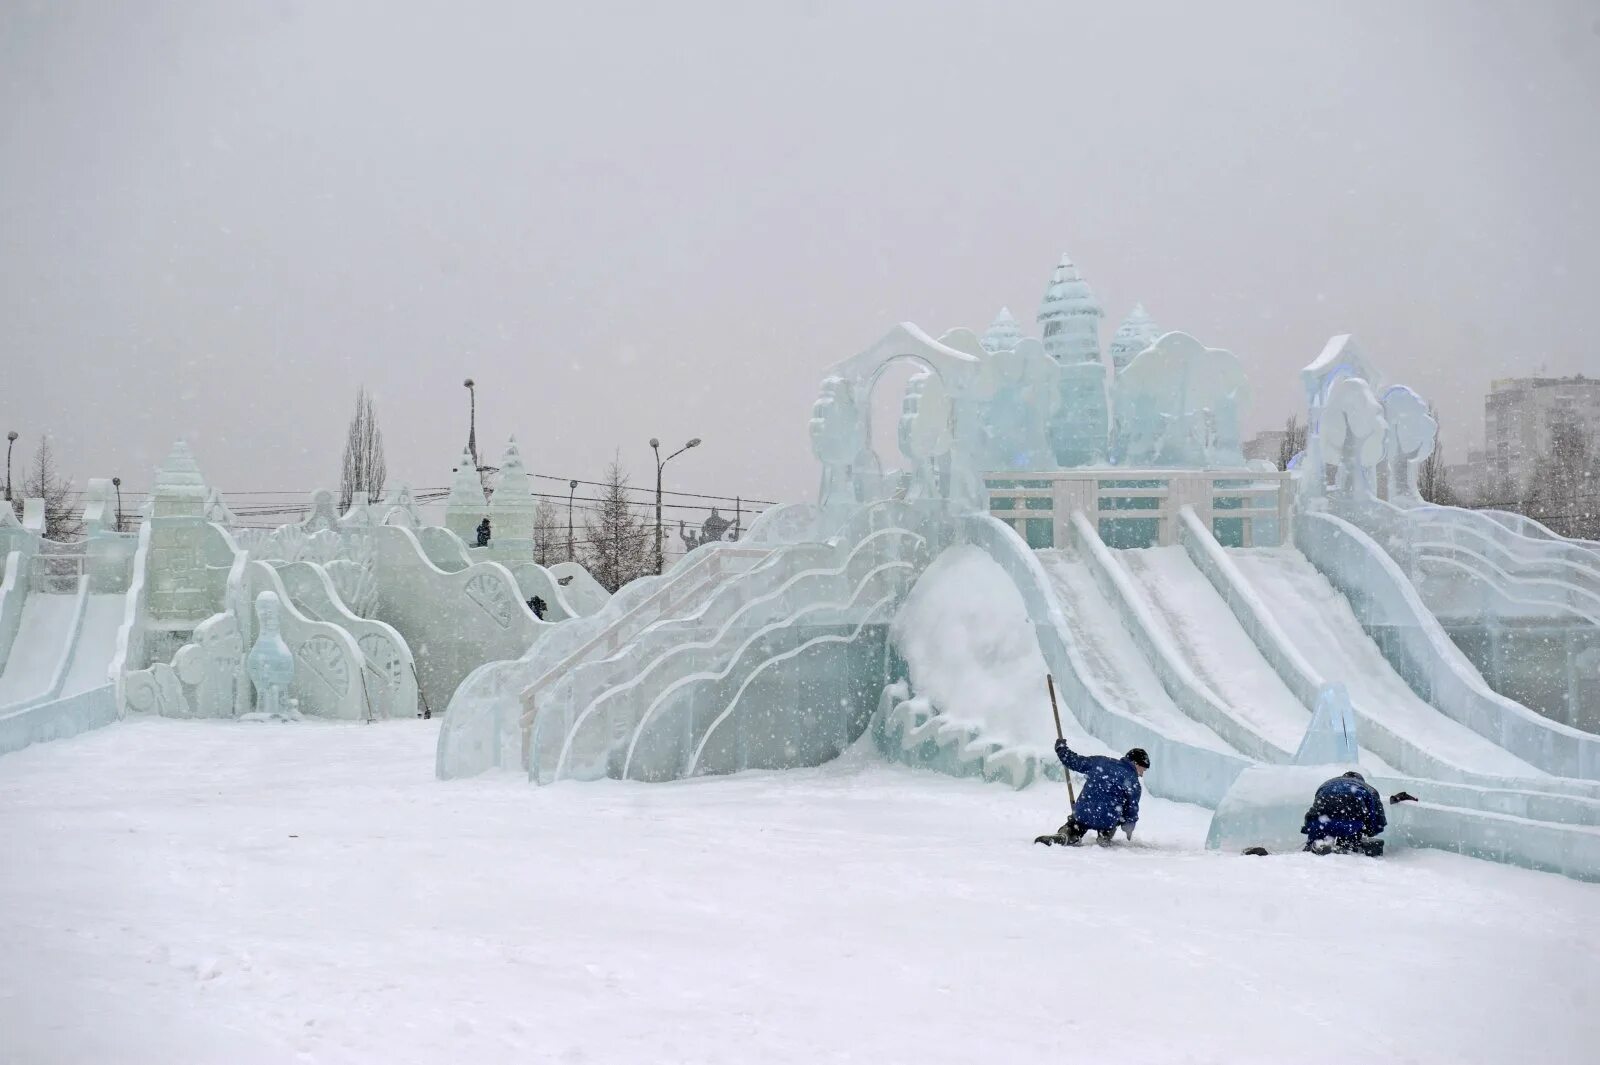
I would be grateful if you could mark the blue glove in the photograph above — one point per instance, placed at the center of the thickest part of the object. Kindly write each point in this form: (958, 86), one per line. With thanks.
(1062, 750)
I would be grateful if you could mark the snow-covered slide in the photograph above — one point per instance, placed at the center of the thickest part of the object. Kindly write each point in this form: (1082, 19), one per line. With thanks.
(1196, 622)
(1319, 623)
(42, 652)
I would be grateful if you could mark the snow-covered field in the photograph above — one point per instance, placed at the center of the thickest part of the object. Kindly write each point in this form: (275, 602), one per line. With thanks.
(177, 892)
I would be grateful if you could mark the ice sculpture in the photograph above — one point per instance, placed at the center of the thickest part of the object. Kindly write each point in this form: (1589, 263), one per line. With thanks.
(925, 436)
(465, 507)
(401, 509)
(1331, 736)
(270, 665)
(511, 509)
(1069, 318)
(1137, 332)
(1022, 392)
(1413, 433)
(1178, 405)
(1353, 431)
(1004, 333)
(1339, 359)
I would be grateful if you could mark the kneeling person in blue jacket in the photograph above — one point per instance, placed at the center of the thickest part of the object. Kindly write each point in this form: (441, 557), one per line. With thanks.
(1345, 816)
(1110, 797)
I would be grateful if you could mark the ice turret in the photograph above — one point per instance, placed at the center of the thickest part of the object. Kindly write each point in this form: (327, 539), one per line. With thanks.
(511, 509)
(465, 506)
(176, 583)
(179, 490)
(1004, 334)
(1137, 332)
(1069, 317)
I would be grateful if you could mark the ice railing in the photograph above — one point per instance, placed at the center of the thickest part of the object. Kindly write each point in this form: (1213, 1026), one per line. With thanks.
(685, 586)
(1552, 573)
(1416, 645)
(483, 727)
(579, 734)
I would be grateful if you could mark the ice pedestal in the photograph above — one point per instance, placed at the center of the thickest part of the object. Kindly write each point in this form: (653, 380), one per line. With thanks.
(1267, 805)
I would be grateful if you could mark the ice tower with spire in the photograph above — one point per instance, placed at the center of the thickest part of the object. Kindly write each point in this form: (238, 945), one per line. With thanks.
(1004, 334)
(1069, 320)
(1069, 317)
(1137, 332)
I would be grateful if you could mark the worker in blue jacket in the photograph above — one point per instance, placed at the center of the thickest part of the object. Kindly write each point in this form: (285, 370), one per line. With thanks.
(1346, 816)
(1110, 796)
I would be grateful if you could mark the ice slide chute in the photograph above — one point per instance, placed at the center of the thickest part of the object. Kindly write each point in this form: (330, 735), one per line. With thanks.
(1418, 649)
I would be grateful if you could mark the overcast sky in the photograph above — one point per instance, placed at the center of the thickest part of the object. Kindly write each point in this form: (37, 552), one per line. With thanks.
(218, 219)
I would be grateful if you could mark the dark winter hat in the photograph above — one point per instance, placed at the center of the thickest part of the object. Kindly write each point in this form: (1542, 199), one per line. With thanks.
(1138, 758)
(1353, 775)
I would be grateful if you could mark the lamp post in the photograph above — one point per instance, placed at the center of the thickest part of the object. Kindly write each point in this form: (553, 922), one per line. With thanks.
(11, 439)
(472, 420)
(655, 445)
(572, 488)
(116, 483)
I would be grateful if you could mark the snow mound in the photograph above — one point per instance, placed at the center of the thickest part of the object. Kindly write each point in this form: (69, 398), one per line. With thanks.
(965, 635)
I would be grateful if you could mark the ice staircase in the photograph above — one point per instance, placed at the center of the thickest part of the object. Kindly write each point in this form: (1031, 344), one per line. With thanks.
(743, 656)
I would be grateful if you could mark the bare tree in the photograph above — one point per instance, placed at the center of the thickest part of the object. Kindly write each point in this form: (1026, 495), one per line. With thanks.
(1433, 479)
(1565, 493)
(1294, 441)
(617, 543)
(549, 534)
(41, 481)
(363, 467)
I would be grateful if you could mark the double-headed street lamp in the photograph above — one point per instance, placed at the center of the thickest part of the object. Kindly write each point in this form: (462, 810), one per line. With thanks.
(11, 439)
(655, 445)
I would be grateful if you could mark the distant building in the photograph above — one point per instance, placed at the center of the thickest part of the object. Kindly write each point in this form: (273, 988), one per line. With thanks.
(1518, 414)
(1267, 444)
(1466, 479)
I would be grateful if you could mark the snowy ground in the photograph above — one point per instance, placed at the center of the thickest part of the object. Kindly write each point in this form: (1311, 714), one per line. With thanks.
(203, 892)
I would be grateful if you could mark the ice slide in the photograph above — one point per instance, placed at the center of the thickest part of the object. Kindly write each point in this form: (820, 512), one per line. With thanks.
(63, 646)
(42, 652)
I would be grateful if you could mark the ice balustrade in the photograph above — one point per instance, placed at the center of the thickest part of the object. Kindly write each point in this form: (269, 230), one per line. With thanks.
(1139, 508)
(815, 585)
(1532, 529)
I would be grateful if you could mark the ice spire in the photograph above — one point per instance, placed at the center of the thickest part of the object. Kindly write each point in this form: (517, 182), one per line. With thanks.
(465, 506)
(1137, 332)
(1069, 317)
(1004, 334)
(512, 506)
(179, 476)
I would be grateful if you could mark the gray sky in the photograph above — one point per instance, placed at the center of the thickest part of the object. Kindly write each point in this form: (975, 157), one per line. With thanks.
(217, 219)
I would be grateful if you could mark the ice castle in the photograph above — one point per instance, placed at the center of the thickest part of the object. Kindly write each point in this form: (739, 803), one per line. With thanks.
(1055, 508)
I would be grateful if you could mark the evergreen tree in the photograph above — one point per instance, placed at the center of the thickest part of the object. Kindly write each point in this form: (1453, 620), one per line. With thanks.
(616, 546)
(41, 481)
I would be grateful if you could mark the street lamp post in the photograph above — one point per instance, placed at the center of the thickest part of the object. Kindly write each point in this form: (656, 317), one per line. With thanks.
(655, 445)
(572, 488)
(472, 420)
(116, 482)
(11, 439)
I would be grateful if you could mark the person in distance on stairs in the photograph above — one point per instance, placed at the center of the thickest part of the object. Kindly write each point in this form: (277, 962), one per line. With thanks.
(1110, 797)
